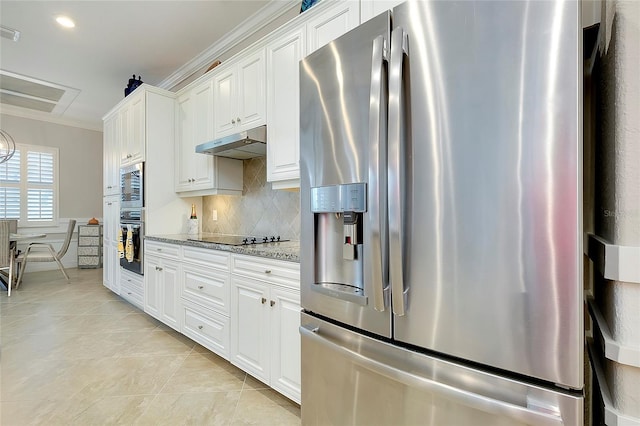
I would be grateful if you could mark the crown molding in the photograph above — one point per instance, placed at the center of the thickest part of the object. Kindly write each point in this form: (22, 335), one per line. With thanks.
(43, 116)
(248, 27)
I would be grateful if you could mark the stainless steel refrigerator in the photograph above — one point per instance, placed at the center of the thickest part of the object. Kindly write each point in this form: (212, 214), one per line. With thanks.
(441, 261)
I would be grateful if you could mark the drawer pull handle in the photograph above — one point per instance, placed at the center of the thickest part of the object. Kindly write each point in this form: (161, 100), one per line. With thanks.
(200, 287)
(273, 302)
(129, 293)
(199, 327)
(159, 249)
(264, 300)
(268, 271)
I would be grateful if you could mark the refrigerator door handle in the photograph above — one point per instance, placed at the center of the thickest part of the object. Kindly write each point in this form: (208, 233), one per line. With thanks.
(395, 188)
(457, 395)
(377, 132)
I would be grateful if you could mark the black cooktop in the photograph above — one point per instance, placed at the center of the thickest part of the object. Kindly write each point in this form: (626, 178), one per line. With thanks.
(238, 240)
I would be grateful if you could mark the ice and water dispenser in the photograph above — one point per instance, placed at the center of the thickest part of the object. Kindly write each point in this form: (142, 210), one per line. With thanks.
(338, 240)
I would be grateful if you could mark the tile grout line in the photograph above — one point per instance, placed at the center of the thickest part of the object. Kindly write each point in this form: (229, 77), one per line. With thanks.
(157, 394)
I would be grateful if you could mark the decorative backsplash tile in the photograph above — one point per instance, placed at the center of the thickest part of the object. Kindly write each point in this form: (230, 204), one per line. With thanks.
(260, 210)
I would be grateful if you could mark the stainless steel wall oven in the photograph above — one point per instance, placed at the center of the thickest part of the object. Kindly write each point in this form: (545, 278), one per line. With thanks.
(132, 186)
(131, 251)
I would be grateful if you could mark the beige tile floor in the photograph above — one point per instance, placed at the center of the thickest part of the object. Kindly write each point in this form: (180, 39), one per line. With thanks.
(74, 353)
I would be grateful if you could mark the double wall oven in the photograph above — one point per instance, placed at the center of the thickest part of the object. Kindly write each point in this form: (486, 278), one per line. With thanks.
(132, 217)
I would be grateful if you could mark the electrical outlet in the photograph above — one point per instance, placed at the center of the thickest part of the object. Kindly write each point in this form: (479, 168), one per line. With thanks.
(214, 214)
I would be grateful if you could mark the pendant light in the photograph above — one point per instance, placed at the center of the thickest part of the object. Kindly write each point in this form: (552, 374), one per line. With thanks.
(7, 146)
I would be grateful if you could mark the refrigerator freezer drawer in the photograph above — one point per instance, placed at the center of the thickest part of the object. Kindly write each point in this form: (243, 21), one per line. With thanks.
(348, 378)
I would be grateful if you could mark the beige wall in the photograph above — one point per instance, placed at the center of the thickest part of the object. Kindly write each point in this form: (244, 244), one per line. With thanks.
(80, 161)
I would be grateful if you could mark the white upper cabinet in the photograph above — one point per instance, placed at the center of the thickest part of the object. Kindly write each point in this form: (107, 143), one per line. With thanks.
(133, 131)
(239, 95)
(326, 22)
(371, 8)
(201, 174)
(111, 152)
(332, 23)
(283, 108)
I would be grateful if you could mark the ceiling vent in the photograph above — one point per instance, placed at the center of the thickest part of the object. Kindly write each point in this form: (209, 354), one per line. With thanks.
(30, 93)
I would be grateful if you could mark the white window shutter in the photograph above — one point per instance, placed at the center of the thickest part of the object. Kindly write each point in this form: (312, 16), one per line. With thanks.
(10, 187)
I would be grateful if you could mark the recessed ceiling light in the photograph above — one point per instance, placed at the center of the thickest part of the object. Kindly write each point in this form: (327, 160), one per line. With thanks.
(65, 21)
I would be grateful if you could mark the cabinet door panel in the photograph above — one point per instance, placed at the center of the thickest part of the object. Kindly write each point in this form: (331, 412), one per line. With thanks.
(184, 133)
(171, 307)
(125, 133)
(251, 91)
(138, 134)
(152, 282)
(371, 8)
(200, 165)
(250, 327)
(285, 358)
(332, 24)
(283, 116)
(224, 102)
(111, 148)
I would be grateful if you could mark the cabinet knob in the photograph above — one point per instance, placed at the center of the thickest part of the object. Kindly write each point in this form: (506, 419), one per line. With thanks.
(273, 302)
(268, 271)
(200, 287)
(159, 269)
(200, 327)
(129, 293)
(238, 119)
(264, 300)
(159, 249)
(233, 121)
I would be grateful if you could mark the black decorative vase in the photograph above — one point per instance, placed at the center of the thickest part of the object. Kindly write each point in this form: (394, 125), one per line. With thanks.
(133, 84)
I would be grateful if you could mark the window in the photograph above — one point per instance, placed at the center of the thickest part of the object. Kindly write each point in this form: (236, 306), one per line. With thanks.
(29, 186)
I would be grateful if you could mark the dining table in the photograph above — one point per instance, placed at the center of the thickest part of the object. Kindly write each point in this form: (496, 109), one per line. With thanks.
(25, 236)
(15, 238)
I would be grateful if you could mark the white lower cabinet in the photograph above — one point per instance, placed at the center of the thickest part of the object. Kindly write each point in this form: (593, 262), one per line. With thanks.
(162, 288)
(265, 316)
(132, 288)
(207, 327)
(205, 295)
(246, 309)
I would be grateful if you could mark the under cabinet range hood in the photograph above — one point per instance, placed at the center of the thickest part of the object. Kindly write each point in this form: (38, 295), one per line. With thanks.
(244, 145)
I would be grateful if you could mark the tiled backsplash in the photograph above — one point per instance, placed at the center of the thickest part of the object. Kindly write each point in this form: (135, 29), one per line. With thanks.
(260, 210)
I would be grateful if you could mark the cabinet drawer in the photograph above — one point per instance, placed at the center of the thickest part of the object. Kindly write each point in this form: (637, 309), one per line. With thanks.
(89, 251)
(132, 290)
(275, 271)
(171, 251)
(131, 280)
(208, 287)
(89, 262)
(207, 327)
(89, 241)
(89, 231)
(206, 257)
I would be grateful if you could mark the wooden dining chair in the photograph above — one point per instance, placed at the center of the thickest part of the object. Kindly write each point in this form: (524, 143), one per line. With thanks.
(7, 254)
(44, 252)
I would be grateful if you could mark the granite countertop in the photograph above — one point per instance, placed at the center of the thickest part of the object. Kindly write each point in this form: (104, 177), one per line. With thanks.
(288, 250)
